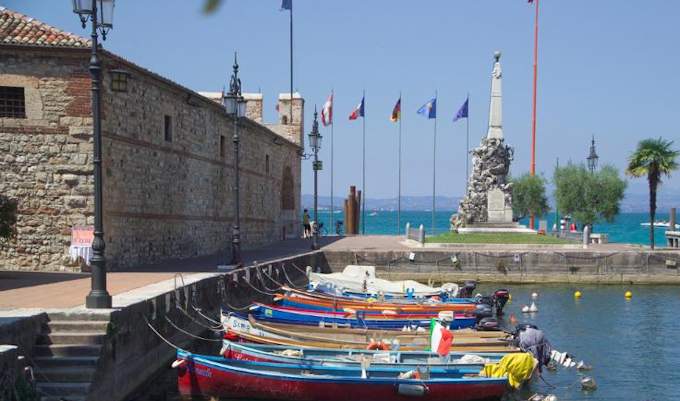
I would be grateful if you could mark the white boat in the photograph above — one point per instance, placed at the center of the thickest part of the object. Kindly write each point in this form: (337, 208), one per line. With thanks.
(659, 224)
(362, 279)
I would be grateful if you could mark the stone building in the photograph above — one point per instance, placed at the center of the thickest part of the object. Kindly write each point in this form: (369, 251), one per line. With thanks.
(167, 157)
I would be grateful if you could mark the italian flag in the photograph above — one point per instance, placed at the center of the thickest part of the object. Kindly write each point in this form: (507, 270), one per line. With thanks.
(441, 338)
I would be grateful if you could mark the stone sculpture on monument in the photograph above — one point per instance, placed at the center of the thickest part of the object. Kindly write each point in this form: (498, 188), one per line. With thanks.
(488, 197)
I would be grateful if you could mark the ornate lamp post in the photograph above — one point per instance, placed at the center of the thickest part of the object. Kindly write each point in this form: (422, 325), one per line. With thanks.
(592, 157)
(235, 106)
(100, 12)
(315, 142)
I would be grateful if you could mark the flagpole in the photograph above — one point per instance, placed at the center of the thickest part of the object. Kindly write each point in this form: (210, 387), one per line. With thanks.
(533, 113)
(332, 217)
(467, 142)
(399, 185)
(363, 167)
(291, 63)
(434, 163)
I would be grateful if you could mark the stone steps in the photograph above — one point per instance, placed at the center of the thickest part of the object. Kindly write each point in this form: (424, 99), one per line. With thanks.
(62, 398)
(67, 350)
(65, 390)
(66, 361)
(82, 338)
(61, 326)
(66, 374)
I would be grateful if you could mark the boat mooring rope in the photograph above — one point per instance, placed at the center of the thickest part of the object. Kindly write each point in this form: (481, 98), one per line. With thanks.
(269, 294)
(161, 336)
(272, 279)
(191, 334)
(259, 277)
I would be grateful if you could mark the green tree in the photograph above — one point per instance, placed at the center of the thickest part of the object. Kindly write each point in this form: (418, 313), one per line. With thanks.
(528, 196)
(8, 217)
(588, 197)
(652, 158)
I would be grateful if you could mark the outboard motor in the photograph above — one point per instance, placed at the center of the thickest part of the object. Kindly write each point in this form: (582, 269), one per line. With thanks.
(488, 324)
(482, 311)
(500, 299)
(468, 289)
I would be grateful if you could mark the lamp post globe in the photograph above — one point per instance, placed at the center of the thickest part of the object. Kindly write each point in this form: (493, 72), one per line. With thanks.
(100, 13)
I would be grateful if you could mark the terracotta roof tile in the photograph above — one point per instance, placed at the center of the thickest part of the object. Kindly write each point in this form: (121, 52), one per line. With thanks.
(19, 29)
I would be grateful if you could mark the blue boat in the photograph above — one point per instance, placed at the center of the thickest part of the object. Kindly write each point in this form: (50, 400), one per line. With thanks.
(282, 314)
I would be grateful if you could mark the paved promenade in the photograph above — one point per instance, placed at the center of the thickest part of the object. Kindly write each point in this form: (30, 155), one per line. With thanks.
(66, 290)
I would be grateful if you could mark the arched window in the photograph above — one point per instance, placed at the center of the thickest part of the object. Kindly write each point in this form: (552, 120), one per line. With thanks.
(287, 190)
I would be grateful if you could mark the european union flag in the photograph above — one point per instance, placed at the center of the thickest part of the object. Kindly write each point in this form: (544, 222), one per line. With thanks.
(462, 112)
(287, 5)
(429, 109)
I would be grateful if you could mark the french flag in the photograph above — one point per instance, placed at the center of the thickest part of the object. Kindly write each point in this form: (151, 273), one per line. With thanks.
(358, 111)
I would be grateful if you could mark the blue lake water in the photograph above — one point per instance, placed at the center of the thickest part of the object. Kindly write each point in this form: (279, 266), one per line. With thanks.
(625, 228)
(632, 345)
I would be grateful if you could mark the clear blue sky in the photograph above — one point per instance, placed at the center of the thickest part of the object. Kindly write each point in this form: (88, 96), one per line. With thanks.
(607, 67)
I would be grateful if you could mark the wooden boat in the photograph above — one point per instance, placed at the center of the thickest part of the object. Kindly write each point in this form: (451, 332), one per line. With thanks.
(337, 304)
(395, 320)
(330, 357)
(239, 329)
(209, 376)
(350, 334)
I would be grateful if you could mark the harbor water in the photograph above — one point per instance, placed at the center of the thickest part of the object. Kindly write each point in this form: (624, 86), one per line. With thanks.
(632, 345)
(626, 227)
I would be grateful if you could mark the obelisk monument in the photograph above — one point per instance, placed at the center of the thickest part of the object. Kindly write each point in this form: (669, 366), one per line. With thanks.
(488, 197)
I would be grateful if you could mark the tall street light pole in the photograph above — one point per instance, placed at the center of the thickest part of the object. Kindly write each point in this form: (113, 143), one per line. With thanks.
(235, 106)
(315, 143)
(100, 13)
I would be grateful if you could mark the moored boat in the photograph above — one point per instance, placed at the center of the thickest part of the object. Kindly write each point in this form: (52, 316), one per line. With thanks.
(208, 376)
(238, 328)
(394, 321)
(354, 357)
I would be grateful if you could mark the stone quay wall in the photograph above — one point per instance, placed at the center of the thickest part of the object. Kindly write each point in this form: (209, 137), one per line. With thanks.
(168, 165)
(517, 266)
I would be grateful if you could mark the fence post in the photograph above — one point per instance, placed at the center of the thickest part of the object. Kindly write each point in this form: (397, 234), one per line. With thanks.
(408, 230)
(421, 234)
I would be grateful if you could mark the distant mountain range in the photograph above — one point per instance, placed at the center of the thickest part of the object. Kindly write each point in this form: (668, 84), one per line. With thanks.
(632, 203)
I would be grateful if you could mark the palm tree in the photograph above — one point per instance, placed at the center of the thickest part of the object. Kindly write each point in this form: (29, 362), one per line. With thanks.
(653, 158)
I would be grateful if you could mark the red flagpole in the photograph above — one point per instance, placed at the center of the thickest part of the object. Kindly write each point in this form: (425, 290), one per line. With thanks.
(533, 113)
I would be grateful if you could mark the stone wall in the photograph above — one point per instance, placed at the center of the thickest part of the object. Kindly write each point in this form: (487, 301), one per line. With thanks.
(163, 199)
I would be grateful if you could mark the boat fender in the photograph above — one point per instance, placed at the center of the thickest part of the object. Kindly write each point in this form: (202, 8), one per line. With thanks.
(178, 362)
(588, 384)
(411, 390)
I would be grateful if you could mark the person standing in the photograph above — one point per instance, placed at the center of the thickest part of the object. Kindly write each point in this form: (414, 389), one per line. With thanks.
(305, 224)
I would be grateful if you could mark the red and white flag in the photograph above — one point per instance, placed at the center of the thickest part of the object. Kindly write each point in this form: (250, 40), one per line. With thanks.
(441, 338)
(327, 112)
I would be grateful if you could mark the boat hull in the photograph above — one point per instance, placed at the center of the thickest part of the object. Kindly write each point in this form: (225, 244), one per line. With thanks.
(199, 377)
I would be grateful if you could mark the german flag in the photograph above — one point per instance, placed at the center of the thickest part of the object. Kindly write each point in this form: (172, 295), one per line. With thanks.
(396, 112)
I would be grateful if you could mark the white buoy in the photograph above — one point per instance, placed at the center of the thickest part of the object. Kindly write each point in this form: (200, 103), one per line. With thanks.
(525, 309)
(534, 295)
(533, 307)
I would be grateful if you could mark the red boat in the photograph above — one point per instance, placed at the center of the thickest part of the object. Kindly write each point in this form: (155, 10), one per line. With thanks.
(208, 376)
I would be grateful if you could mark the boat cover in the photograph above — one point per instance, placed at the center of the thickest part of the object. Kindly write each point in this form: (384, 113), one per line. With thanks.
(517, 367)
(362, 278)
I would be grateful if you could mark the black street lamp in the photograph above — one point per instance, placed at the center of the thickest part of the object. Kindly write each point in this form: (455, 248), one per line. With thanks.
(315, 142)
(235, 106)
(592, 157)
(100, 12)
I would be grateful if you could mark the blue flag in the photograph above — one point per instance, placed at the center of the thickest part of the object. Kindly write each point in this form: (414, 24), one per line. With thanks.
(462, 112)
(287, 5)
(429, 109)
